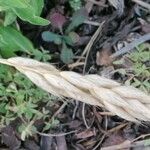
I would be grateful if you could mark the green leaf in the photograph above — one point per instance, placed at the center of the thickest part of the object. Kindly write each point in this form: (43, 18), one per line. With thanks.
(38, 6)
(3, 8)
(42, 55)
(10, 17)
(75, 4)
(11, 39)
(136, 82)
(66, 55)
(2, 107)
(68, 40)
(71, 39)
(118, 62)
(51, 37)
(14, 3)
(27, 10)
(121, 71)
(28, 14)
(78, 18)
(7, 53)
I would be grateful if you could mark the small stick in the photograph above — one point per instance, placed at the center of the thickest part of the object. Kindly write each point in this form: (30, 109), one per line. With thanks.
(117, 128)
(98, 3)
(123, 145)
(143, 4)
(75, 109)
(128, 144)
(93, 38)
(90, 44)
(131, 45)
(76, 64)
(59, 110)
(83, 116)
(106, 113)
(92, 23)
(141, 136)
(55, 135)
(99, 143)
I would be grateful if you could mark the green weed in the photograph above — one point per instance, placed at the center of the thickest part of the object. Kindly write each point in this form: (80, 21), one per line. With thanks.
(19, 98)
(67, 37)
(75, 4)
(139, 72)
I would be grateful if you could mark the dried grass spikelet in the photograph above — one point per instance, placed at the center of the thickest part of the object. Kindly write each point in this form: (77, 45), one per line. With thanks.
(124, 101)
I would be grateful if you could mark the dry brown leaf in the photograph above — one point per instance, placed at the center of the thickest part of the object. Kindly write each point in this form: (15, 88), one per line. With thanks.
(103, 57)
(85, 134)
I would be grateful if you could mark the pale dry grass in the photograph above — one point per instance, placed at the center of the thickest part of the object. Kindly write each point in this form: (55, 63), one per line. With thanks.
(124, 101)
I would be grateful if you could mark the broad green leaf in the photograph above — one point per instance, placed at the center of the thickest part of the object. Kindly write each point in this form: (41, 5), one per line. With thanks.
(7, 53)
(28, 14)
(51, 37)
(10, 17)
(27, 10)
(66, 55)
(3, 8)
(38, 6)
(14, 3)
(12, 39)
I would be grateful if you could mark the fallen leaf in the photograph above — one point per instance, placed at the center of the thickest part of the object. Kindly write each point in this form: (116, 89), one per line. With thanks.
(46, 143)
(74, 124)
(85, 134)
(61, 143)
(9, 138)
(145, 26)
(114, 139)
(103, 57)
(31, 145)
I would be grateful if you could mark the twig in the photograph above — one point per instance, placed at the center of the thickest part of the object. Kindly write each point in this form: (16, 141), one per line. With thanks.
(117, 128)
(128, 144)
(75, 64)
(56, 135)
(141, 136)
(123, 145)
(106, 113)
(89, 45)
(103, 137)
(59, 110)
(99, 3)
(131, 45)
(143, 4)
(93, 38)
(92, 23)
(83, 116)
(75, 109)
